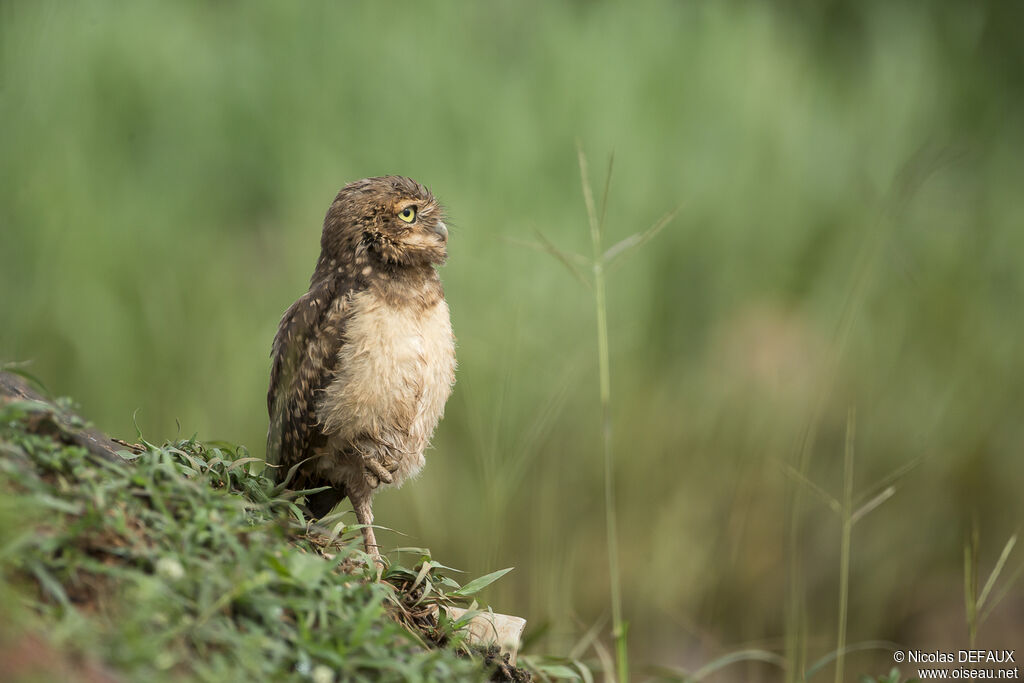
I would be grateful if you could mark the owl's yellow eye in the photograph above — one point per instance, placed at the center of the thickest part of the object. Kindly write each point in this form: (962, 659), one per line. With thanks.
(408, 214)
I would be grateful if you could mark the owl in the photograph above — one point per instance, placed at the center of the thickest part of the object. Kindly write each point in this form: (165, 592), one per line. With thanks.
(363, 363)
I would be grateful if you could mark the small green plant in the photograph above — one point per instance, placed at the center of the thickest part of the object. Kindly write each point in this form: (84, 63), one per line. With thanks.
(598, 264)
(850, 511)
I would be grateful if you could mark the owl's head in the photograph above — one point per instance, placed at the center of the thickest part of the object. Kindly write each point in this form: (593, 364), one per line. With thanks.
(391, 220)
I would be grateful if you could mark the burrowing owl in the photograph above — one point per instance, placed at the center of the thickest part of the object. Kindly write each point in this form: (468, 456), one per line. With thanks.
(364, 361)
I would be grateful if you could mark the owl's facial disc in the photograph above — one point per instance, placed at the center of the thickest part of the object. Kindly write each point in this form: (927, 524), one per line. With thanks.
(412, 232)
(425, 242)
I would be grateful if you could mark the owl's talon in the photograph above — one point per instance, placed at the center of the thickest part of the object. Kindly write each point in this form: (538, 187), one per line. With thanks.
(377, 473)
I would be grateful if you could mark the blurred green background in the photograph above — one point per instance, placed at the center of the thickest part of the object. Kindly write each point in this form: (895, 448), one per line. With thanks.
(850, 236)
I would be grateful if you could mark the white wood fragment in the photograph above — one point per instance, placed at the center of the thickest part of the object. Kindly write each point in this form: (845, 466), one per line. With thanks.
(487, 628)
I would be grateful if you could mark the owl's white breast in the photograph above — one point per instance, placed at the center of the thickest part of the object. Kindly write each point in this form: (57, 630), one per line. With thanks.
(394, 373)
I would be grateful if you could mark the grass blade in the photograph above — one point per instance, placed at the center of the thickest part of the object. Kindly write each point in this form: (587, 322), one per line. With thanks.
(588, 197)
(795, 474)
(820, 664)
(476, 585)
(872, 504)
(736, 657)
(637, 239)
(565, 258)
(844, 551)
(1007, 549)
(1007, 585)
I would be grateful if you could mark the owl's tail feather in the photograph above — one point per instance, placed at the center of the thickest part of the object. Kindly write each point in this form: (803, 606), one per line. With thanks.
(320, 504)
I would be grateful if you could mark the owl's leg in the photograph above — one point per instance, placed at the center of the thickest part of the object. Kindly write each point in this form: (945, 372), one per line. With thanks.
(364, 516)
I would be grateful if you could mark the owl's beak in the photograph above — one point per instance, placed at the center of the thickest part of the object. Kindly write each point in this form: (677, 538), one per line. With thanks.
(441, 230)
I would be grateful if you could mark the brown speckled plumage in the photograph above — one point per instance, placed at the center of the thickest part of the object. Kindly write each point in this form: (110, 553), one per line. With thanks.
(364, 361)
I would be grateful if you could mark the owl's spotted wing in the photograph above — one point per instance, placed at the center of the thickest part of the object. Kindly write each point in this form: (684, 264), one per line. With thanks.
(304, 355)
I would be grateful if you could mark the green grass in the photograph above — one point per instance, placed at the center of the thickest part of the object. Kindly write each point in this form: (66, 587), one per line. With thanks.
(184, 563)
